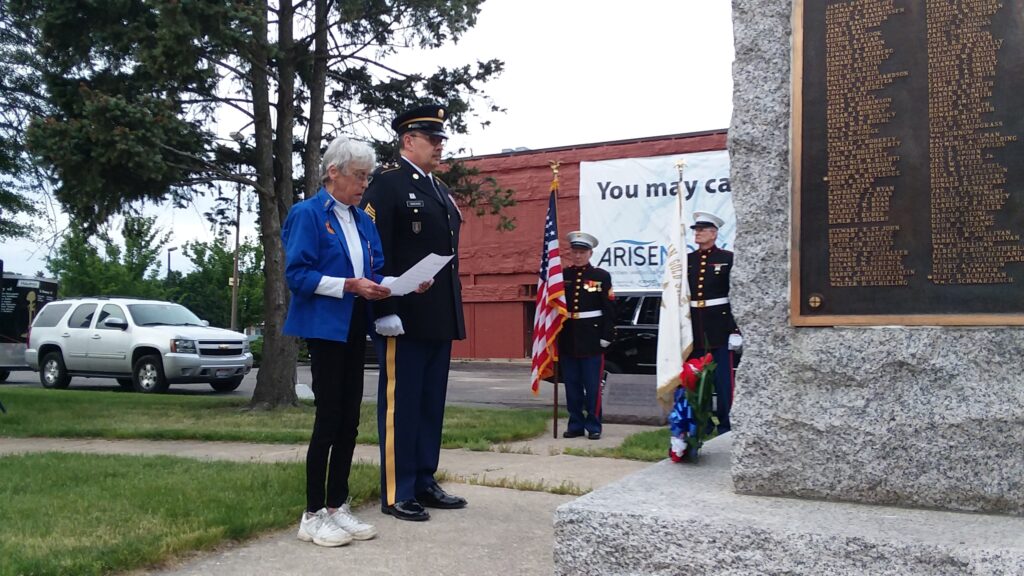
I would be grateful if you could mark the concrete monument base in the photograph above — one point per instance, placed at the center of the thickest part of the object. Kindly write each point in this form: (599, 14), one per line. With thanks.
(687, 519)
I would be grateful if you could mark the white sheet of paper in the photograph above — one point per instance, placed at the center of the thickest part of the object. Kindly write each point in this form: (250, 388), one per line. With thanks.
(420, 272)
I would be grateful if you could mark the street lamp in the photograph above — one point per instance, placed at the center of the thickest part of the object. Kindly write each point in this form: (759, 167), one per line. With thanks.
(169, 250)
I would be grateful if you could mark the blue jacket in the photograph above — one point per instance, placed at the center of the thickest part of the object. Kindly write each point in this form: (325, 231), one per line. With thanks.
(315, 247)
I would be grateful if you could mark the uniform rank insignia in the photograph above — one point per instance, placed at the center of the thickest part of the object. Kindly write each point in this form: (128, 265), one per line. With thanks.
(329, 229)
(371, 213)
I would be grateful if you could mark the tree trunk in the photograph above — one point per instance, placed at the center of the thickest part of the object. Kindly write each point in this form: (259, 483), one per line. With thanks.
(284, 143)
(317, 87)
(275, 383)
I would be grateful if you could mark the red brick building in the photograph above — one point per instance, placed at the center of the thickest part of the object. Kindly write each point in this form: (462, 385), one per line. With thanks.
(499, 269)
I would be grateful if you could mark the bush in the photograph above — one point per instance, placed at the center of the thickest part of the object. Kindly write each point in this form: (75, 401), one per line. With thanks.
(256, 346)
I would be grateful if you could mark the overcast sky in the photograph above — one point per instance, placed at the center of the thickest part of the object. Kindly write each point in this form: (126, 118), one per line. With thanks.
(576, 71)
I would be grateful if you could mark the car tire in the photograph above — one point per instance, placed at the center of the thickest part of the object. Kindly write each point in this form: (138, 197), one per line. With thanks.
(148, 375)
(126, 383)
(52, 372)
(4, 375)
(227, 384)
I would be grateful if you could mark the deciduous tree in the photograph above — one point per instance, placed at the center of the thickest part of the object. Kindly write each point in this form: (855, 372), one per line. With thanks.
(135, 89)
(108, 269)
(205, 289)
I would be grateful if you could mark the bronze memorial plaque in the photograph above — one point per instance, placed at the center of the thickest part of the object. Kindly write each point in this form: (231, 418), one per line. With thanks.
(908, 162)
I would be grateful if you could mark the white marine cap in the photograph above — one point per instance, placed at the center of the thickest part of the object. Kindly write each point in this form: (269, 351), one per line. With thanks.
(579, 239)
(706, 220)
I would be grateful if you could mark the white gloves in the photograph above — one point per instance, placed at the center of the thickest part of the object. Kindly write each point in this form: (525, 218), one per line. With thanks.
(390, 325)
(605, 343)
(735, 342)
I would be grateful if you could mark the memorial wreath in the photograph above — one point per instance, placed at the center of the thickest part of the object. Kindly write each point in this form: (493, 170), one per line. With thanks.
(691, 422)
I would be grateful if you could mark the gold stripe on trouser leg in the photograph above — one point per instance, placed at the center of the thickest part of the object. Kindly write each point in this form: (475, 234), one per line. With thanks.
(389, 422)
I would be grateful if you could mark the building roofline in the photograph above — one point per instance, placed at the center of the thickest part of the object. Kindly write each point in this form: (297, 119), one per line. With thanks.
(681, 136)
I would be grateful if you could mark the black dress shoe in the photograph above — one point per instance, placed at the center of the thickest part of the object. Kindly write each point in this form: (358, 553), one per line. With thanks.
(407, 510)
(571, 434)
(594, 436)
(435, 497)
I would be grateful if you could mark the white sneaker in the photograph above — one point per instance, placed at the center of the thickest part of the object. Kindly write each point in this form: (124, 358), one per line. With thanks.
(320, 529)
(348, 522)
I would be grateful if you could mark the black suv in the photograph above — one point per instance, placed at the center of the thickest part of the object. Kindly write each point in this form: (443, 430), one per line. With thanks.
(635, 349)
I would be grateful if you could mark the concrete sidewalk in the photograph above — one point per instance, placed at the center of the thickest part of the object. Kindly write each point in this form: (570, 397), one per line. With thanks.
(501, 531)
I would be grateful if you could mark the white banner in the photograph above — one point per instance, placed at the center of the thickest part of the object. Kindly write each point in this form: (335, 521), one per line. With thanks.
(627, 203)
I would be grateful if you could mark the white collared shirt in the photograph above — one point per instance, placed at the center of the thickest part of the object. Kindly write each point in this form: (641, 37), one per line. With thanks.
(334, 285)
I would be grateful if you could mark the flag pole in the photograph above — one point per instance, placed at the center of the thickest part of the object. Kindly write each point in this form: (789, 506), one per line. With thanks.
(557, 371)
(684, 279)
(673, 322)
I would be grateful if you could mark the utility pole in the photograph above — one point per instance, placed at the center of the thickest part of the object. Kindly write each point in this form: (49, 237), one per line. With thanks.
(234, 277)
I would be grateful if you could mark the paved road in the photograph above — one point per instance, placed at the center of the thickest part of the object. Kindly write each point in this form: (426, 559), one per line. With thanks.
(483, 383)
(497, 384)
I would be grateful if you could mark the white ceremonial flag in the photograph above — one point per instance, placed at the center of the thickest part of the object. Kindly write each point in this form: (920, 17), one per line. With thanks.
(675, 337)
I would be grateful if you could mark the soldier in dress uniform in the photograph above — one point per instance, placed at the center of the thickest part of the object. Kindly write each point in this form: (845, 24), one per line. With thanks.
(589, 329)
(416, 216)
(714, 328)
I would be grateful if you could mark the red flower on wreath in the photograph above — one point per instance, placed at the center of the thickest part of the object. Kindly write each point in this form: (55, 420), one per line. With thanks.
(691, 371)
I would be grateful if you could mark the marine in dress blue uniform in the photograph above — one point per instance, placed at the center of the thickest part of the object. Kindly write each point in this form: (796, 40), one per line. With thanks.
(416, 216)
(714, 328)
(589, 328)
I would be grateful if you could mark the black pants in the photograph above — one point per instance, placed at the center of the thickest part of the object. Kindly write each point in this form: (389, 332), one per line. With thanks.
(337, 369)
(725, 382)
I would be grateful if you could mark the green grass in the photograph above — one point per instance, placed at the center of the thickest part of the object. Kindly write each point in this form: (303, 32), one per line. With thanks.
(88, 514)
(92, 414)
(649, 446)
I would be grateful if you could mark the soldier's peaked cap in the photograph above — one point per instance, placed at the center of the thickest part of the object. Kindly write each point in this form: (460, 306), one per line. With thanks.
(428, 119)
(579, 239)
(706, 220)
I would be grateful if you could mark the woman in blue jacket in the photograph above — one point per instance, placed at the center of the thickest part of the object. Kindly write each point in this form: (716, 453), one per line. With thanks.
(334, 258)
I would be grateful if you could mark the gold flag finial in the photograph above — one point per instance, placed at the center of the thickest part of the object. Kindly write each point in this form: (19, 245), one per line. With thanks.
(554, 167)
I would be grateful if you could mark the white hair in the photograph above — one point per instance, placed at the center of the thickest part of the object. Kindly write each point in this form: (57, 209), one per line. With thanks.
(342, 153)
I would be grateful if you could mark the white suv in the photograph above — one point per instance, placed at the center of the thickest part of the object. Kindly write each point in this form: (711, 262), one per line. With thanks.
(145, 344)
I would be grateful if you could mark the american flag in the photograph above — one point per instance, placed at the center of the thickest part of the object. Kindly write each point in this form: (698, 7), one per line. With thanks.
(551, 313)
